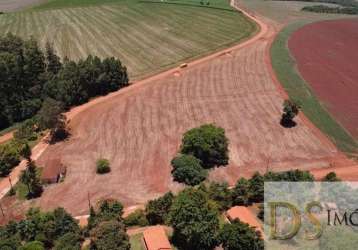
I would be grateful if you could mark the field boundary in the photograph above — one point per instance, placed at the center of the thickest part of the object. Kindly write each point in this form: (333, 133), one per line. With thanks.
(298, 89)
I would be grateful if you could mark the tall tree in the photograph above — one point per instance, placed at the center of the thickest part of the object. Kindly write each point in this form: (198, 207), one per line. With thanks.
(188, 169)
(194, 220)
(208, 143)
(157, 210)
(53, 62)
(109, 235)
(30, 178)
(239, 236)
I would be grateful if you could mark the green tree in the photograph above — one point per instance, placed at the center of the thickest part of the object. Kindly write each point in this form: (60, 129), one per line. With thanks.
(221, 194)
(157, 210)
(69, 241)
(33, 245)
(25, 152)
(50, 117)
(256, 188)
(187, 169)
(9, 157)
(331, 177)
(241, 192)
(53, 62)
(239, 236)
(194, 221)
(290, 111)
(109, 235)
(208, 143)
(102, 166)
(30, 178)
(137, 218)
(107, 210)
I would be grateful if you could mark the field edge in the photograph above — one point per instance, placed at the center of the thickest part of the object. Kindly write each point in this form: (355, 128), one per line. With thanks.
(285, 68)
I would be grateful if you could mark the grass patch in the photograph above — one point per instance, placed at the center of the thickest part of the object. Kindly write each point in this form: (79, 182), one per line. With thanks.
(22, 190)
(136, 242)
(285, 68)
(148, 37)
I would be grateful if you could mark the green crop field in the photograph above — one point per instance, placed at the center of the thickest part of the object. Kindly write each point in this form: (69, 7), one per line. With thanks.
(147, 36)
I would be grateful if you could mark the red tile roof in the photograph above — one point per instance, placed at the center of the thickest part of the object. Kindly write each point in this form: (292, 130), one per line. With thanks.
(244, 215)
(155, 238)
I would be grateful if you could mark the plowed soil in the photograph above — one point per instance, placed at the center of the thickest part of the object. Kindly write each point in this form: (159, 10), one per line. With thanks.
(13, 5)
(327, 58)
(139, 129)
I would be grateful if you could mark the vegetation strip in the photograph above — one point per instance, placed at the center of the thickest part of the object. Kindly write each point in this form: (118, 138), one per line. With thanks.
(299, 90)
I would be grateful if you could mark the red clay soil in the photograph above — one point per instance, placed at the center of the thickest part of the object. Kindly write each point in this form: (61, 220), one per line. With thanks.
(327, 57)
(139, 129)
(6, 137)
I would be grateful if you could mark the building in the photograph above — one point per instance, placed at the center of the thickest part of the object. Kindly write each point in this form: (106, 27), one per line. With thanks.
(244, 215)
(155, 238)
(53, 171)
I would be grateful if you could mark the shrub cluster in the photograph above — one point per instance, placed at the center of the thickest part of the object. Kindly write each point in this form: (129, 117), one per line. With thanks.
(202, 148)
(102, 166)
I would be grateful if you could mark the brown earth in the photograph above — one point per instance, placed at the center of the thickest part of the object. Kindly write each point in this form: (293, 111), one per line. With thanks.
(6, 137)
(327, 58)
(13, 5)
(139, 129)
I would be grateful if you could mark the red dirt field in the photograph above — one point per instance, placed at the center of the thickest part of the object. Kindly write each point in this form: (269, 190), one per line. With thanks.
(327, 58)
(139, 129)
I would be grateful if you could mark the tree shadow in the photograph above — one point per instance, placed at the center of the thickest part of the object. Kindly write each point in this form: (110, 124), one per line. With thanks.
(287, 122)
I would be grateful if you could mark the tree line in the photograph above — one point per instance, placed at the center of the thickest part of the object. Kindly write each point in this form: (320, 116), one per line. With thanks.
(193, 214)
(29, 75)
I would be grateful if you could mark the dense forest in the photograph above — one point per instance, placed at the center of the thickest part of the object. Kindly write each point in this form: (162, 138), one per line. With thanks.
(29, 75)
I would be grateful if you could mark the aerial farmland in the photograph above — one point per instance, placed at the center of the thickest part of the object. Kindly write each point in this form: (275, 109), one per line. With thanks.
(118, 111)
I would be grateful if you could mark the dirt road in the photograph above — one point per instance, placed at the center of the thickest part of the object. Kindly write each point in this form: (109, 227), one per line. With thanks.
(6, 137)
(139, 128)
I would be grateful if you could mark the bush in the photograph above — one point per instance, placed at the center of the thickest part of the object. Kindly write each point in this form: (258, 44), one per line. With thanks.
(187, 169)
(33, 245)
(137, 218)
(103, 166)
(9, 156)
(331, 177)
(109, 235)
(208, 143)
(157, 210)
(27, 131)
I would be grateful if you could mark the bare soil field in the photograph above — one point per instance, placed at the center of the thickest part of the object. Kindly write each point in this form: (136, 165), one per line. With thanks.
(13, 5)
(327, 59)
(139, 130)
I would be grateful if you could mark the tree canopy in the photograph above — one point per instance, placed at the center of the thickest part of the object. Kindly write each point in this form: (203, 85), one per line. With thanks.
(187, 169)
(194, 220)
(239, 236)
(208, 143)
(29, 75)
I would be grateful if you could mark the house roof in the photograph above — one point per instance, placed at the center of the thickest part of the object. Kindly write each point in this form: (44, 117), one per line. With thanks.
(244, 215)
(53, 168)
(156, 239)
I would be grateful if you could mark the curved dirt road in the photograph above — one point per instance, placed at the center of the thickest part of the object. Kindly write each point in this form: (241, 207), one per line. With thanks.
(139, 129)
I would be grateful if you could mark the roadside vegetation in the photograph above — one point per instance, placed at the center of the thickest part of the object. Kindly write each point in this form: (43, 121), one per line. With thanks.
(299, 90)
(188, 213)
